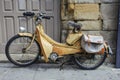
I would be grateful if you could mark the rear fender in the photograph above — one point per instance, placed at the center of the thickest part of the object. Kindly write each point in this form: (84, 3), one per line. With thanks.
(108, 49)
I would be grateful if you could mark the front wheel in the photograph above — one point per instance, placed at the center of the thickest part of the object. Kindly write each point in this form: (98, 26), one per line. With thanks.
(17, 53)
(89, 61)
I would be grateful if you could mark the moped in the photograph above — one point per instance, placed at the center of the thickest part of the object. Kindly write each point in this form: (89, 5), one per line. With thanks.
(86, 51)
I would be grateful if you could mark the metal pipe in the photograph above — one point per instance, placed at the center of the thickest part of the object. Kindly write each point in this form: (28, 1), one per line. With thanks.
(118, 43)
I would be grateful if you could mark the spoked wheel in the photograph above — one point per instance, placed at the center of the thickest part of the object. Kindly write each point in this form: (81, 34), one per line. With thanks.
(17, 52)
(89, 61)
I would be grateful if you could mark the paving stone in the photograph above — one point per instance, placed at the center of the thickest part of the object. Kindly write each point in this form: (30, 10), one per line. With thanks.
(20, 74)
(3, 72)
(73, 74)
(52, 72)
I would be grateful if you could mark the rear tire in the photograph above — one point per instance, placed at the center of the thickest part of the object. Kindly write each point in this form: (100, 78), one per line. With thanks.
(17, 55)
(82, 61)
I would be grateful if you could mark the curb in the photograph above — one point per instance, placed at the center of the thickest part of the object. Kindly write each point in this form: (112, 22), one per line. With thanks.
(3, 58)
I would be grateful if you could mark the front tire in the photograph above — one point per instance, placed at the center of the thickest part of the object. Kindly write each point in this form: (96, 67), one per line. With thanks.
(90, 61)
(16, 53)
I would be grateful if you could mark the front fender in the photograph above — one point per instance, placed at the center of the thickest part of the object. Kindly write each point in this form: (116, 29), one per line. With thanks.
(108, 49)
(25, 34)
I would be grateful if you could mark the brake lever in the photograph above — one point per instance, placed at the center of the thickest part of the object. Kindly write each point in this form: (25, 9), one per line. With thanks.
(41, 13)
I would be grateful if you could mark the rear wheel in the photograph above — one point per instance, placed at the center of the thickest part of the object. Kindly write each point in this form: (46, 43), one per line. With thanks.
(89, 61)
(16, 50)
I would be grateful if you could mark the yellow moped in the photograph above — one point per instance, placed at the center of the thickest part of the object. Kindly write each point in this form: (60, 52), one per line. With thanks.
(87, 51)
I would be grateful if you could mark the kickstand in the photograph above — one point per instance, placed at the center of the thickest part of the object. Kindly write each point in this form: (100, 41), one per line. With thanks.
(63, 62)
(61, 66)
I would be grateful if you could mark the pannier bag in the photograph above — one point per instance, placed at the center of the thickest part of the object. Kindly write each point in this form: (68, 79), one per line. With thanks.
(92, 44)
(72, 38)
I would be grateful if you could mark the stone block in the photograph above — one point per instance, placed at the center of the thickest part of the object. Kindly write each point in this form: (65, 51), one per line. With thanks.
(110, 24)
(91, 25)
(86, 12)
(65, 14)
(86, 25)
(109, 1)
(64, 25)
(84, 1)
(71, 7)
(109, 11)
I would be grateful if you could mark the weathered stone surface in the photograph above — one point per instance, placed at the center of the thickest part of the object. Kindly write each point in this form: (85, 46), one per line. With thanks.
(109, 1)
(63, 35)
(91, 25)
(86, 25)
(109, 36)
(65, 25)
(109, 11)
(92, 1)
(110, 24)
(86, 11)
(110, 60)
(84, 1)
(65, 14)
(71, 7)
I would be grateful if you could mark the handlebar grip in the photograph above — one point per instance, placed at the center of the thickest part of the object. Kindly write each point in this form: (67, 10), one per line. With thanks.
(30, 14)
(46, 17)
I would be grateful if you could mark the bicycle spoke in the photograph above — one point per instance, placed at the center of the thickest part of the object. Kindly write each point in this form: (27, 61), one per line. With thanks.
(18, 50)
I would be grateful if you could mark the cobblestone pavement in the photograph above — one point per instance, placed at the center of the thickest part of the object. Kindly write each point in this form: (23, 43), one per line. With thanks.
(51, 72)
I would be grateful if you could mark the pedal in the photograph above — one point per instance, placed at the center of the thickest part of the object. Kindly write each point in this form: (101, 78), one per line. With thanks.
(53, 57)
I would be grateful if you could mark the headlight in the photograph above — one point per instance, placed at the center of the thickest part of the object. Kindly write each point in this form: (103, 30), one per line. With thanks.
(22, 29)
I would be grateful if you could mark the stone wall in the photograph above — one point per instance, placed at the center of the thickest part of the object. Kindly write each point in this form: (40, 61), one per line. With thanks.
(96, 16)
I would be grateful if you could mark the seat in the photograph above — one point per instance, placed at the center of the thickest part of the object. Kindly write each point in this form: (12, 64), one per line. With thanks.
(75, 25)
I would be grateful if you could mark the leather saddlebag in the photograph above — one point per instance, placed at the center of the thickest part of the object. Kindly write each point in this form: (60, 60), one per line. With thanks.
(92, 44)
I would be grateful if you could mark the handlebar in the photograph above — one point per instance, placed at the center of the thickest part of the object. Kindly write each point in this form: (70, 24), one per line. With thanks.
(29, 14)
(32, 14)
